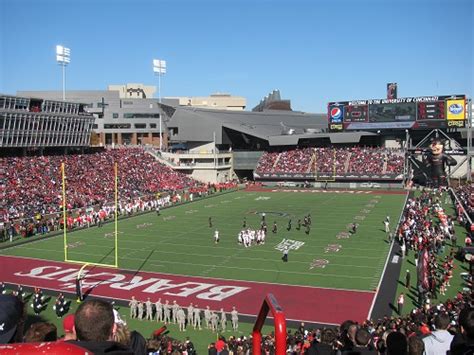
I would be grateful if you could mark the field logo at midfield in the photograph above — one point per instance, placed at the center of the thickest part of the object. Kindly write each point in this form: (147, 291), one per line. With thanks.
(334, 248)
(262, 198)
(290, 244)
(319, 263)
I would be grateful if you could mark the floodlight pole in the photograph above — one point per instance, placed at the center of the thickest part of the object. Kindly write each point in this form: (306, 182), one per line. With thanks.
(159, 100)
(63, 57)
(159, 68)
(64, 82)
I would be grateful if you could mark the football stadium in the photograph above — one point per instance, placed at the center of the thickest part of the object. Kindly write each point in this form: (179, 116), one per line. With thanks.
(131, 224)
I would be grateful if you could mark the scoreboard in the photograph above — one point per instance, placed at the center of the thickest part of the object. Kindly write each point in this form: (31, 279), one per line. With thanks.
(425, 112)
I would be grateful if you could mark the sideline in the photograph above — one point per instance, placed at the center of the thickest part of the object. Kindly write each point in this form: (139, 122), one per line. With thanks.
(383, 301)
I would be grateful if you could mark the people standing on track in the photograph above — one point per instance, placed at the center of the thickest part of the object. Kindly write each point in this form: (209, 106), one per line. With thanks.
(181, 319)
(167, 312)
(223, 320)
(149, 309)
(133, 304)
(234, 315)
(140, 310)
(190, 314)
(207, 317)
(175, 309)
(400, 302)
(159, 310)
(197, 317)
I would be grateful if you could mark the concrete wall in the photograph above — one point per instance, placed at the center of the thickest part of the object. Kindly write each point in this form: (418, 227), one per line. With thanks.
(246, 160)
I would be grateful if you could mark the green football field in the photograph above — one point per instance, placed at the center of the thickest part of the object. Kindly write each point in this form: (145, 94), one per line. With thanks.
(180, 241)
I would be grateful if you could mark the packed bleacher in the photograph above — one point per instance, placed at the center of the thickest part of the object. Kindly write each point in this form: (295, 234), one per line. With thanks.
(335, 161)
(31, 188)
(465, 194)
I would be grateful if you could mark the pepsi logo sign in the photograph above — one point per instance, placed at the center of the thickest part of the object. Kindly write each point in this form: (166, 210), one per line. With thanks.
(336, 113)
(455, 109)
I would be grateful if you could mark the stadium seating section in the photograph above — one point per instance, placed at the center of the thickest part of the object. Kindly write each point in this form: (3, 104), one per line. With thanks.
(333, 161)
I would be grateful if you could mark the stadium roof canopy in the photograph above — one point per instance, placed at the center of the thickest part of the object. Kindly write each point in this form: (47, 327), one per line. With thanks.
(277, 128)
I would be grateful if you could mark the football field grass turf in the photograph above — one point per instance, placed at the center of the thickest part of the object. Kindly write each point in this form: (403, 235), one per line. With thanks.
(180, 241)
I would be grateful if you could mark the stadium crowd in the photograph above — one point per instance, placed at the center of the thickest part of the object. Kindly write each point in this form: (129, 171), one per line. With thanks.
(344, 161)
(465, 194)
(31, 189)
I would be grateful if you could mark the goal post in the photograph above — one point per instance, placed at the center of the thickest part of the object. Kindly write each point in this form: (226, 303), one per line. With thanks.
(67, 257)
(270, 305)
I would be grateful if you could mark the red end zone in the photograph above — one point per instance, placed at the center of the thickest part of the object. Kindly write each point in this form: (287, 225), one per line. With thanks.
(310, 304)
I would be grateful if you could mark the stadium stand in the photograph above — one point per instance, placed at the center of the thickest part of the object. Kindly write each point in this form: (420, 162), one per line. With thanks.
(342, 161)
(31, 188)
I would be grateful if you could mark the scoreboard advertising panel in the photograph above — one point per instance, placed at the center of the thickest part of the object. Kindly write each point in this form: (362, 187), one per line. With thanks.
(425, 112)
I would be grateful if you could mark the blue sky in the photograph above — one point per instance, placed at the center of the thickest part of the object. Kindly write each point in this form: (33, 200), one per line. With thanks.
(313, 51)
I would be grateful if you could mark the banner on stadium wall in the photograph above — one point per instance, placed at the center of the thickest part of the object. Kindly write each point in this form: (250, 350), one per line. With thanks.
(456, 109)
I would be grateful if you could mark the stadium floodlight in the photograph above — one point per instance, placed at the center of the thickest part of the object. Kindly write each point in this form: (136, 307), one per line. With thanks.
(159, 68)
(63, 58)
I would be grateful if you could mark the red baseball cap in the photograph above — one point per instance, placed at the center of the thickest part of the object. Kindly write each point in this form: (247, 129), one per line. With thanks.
(68, 323)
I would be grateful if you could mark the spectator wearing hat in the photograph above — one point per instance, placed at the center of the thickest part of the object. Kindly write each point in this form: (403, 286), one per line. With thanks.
(68, 328)
(12, 318)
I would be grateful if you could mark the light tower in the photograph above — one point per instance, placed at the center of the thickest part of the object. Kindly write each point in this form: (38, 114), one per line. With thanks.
(63, 57)
(159, 68)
